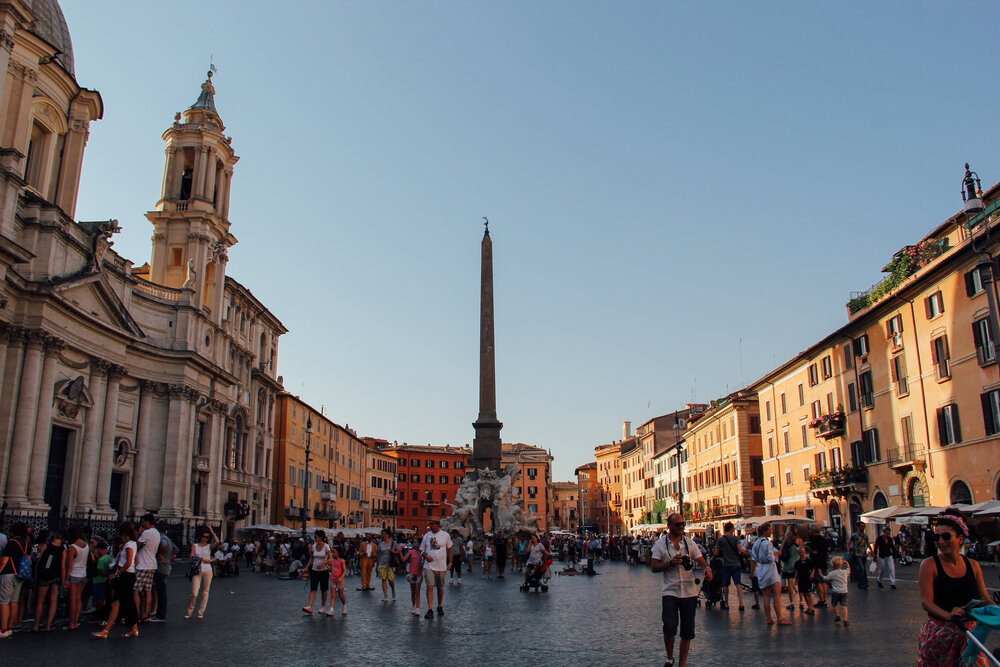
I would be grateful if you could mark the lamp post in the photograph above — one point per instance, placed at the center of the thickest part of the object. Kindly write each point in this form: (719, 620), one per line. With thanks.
(972, 198)
(680, 477)
(305, 481)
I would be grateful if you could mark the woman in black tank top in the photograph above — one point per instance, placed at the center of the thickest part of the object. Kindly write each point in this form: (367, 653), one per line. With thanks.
(948, 582)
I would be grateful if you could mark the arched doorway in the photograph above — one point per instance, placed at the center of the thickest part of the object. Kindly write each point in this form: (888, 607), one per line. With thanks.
(879, 501)
(960, 493)
(915, 493)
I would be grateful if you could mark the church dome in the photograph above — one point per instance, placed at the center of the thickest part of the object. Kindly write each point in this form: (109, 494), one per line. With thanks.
(50, 25)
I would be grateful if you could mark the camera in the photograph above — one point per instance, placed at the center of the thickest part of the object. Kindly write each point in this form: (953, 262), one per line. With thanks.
(686, 562)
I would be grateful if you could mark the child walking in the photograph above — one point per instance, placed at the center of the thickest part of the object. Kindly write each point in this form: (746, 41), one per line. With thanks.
(338, 573)
(804, 571)
(415, 574)
(838, 578)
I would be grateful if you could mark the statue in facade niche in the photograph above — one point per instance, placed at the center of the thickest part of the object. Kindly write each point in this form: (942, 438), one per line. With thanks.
(192, 275)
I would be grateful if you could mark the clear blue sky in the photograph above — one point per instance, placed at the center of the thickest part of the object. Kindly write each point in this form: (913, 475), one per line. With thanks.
(664, 180)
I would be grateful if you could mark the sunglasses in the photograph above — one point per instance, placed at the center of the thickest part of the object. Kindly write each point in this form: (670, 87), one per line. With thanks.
(942, 537)
(678, 523)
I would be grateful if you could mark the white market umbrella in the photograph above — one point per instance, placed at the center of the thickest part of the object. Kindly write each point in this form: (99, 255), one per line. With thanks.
(885, 514)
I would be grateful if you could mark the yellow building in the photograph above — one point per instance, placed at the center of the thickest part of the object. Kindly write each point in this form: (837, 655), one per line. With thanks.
(901, 405)
(633, 483)
(724, 477)
(588, 506)
(331, 484)
(609, 477)
(380, 473)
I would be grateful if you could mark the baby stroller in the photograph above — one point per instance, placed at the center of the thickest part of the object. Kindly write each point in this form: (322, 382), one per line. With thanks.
(536, 577)
(711, 589)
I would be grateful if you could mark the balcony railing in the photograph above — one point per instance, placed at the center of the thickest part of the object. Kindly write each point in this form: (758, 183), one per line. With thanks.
(200, 463)
(906, 456)
(296, 513)
(830, 426)
(838, 482)
(431, 503)
(159, 291)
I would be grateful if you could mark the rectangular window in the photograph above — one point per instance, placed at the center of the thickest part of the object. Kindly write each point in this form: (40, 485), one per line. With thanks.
(788, 477)
(291, 474)
(415, 463)
(414, 478)
(788, 444)
(784, 404)
(894, 331)
(817, 409)
(848, 357)
(906, 429)
(458, 479)
(813, 375)
(805, 473)
(443, 479)
(767, 410)
(949, 431)
(444, 464)
(852, 397)
(827, 366)
(898, 369)
(861, 348)
(414, 495)
(974, 282)
(836, 459)
(429, 463)
(770, 447)
(458, 465)
(802, 395)
(934, 305)
(820, 461)
(805, 436)
(773, 481)
(753, 423)
(867, 390)
(829, 402)
(532, 473)
(872, 449)
(941, 357)
(982, 334)
(991, 411)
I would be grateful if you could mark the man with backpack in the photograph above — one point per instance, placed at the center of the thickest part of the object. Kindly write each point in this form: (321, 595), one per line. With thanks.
(15, 568)
(729, 550)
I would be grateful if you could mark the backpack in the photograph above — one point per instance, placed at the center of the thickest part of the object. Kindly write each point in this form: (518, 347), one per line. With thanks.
(23, 569)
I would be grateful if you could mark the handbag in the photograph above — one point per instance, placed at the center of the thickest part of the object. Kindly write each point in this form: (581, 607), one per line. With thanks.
(194, 568)
(873, 568)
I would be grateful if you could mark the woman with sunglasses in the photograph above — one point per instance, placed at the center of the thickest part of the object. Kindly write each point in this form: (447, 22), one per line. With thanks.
(202, 553)
(948, 581)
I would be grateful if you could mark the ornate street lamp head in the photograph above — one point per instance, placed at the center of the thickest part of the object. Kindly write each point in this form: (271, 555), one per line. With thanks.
(972, 192)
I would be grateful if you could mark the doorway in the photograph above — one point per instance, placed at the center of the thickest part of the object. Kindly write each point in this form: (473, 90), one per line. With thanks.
(55, 472)
(115, 494)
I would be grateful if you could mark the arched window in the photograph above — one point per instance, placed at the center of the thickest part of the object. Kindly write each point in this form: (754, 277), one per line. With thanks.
(960, 494)
(879, 501)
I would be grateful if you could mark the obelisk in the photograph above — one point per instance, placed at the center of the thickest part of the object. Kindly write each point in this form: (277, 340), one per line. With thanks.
(486, 445)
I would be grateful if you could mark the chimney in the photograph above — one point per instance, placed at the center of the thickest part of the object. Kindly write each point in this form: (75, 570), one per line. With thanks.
(626, 430)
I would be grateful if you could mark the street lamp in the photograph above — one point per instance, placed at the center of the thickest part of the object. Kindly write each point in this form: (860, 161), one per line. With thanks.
(972, 197)
(305, 482)
(680, 477)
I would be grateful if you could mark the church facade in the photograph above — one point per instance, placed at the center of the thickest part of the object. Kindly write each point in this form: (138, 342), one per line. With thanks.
(123, 388)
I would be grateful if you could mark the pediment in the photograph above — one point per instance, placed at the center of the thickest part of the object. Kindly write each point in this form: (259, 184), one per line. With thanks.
(93, 296)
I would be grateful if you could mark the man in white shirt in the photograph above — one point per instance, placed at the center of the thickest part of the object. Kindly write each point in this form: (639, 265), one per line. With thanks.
(675, 555)
(435, 549)
(145, 565)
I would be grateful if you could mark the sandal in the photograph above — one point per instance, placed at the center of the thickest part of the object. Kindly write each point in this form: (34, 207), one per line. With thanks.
(103, 634)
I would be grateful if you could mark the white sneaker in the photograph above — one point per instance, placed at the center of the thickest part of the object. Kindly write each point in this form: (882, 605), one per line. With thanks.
(344, 611)
(416, 611)
(329, 611)
(6, 635)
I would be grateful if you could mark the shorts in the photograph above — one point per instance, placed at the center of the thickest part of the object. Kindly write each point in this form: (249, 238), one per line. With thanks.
(386, 572)
(319, 579)
(415, 578)
(43, 583)
(98, 592)
(684, 608)
(434, 578)
(787, 575)
(731, 575)
(838, 599)
(337, 586)
(77, 580)
(10, 588)
(143, 580)
(804, 583)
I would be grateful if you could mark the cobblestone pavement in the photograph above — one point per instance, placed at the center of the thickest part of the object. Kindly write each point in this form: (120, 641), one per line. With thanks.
(611, 619)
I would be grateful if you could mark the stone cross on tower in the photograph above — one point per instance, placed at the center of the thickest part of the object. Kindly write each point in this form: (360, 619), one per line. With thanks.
(486, 445)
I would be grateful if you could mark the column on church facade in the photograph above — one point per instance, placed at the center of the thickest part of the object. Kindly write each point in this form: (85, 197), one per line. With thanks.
(219, 462)
(185, 454)
(43, 424)
(175, 418)
(228, 181)
(211, 166)
(213, 460)
(169, 170)
(24, 422)
(86, 487)
(143, 443)
(199, 172)
(107, 460)
(8, 399)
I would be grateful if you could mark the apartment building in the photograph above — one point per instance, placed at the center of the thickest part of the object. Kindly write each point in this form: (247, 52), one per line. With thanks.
(588, 507)
(609, 494)
(536, 477)
(427, 479)
(633, 483)
(381, 482)
(564, 511)
(724, 477)
(901, 405)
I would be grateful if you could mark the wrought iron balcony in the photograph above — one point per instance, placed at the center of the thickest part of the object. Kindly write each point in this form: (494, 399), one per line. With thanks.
(297, 513)
(904, 457)
(830, 426)
(839, 482)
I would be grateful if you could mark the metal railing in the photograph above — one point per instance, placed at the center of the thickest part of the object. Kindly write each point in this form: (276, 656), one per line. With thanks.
(907, 453)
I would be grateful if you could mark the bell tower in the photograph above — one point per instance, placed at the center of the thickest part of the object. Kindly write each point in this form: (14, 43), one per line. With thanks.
(191, 234)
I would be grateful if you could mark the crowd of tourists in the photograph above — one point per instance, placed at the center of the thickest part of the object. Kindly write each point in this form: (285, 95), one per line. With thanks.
(794, 570)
